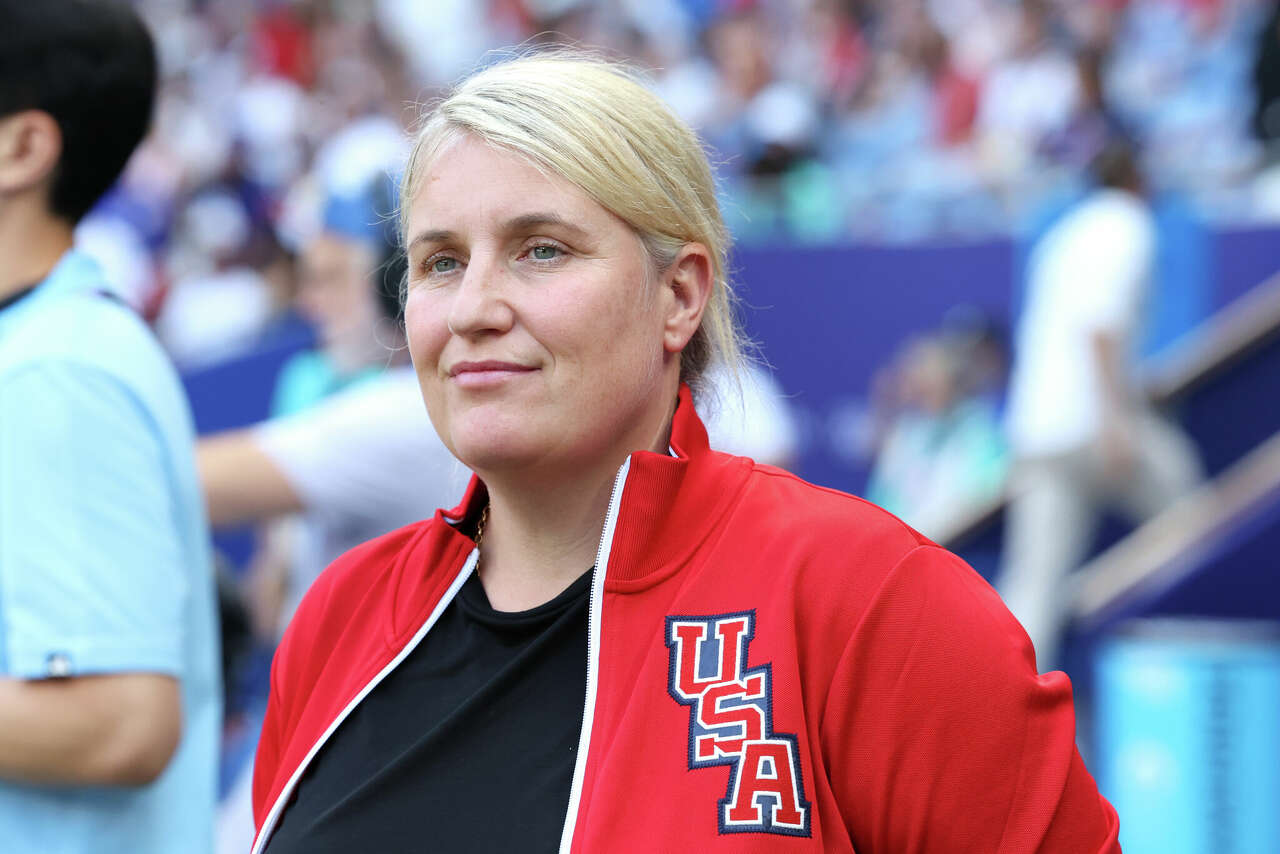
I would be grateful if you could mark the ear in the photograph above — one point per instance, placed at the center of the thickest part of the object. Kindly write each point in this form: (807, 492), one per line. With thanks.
(30, 146)
(686, 288)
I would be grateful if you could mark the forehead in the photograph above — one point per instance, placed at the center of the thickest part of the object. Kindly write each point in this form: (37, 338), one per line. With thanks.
(470, 182)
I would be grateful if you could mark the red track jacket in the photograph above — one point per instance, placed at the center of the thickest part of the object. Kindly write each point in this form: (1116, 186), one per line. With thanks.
(772, 667)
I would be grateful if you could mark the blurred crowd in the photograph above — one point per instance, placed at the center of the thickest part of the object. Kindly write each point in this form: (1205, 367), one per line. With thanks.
(829, 120)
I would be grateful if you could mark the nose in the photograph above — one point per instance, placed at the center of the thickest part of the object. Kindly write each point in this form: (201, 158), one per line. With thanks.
(479, 303)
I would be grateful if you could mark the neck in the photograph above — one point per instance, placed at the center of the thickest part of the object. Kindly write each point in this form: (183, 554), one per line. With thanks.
(536, 545)
(543, 532)
(31, 242)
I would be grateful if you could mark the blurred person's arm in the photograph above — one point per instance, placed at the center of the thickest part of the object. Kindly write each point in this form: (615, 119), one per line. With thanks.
(241, 482)
(107, 730)
(267, 576)
(1116, 402)
(368, 455)
(93, 582)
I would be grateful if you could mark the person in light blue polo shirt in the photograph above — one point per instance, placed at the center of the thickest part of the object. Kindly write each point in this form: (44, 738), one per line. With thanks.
(109, 683)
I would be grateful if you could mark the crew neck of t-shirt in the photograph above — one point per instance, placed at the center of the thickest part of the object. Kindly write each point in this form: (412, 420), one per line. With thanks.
(473, 600)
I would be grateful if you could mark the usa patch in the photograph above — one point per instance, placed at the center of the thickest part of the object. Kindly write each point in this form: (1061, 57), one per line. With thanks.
(731, 723)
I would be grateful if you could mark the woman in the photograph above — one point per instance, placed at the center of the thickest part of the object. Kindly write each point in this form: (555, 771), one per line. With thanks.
(767, 665)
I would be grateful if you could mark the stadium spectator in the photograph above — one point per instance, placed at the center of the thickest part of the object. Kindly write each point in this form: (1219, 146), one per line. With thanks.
(354, 321)
(350, 448)
(1084, 438)
(943, 453)
(222, 301)
(1029, 94)
(1091, 124)
(954, 93)
(109, 671)
(347, 290)
(348, 454)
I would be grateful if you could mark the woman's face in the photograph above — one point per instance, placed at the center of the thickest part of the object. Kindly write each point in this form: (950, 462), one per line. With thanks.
(335, 292)
(540, 337)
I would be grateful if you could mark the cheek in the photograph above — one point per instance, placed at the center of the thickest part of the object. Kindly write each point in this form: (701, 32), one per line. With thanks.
(637, 324)
(624, 343)
(425, 329)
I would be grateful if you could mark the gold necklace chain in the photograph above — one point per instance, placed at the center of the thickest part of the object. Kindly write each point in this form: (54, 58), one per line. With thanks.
(484, 519)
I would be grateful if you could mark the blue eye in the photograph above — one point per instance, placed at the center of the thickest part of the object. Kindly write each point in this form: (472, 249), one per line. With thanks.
(545, 252)
(443, 265)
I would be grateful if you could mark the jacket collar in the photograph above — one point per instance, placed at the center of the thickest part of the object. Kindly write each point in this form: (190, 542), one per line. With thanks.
(670, 503)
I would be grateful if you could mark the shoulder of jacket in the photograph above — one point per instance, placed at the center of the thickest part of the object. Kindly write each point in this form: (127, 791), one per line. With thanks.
(824, 511)
(818, 538)
(829, 552)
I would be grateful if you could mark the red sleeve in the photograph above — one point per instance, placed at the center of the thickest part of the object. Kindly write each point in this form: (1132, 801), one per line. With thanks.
(940, 736)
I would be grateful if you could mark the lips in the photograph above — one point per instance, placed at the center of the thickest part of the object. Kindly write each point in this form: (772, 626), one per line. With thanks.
(487, 373)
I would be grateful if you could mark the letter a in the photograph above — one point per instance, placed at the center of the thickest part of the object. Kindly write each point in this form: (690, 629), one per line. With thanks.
(766, 772)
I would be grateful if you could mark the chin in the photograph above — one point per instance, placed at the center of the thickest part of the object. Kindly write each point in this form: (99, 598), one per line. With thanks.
(494, 460)
(496, 447)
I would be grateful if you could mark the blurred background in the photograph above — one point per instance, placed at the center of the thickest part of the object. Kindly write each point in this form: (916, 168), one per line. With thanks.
(898, 177)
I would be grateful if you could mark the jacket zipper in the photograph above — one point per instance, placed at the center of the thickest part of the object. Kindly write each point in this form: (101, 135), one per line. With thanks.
(594, 604)
(269, 824)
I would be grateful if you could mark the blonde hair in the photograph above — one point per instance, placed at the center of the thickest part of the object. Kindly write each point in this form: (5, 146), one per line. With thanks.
(592, 123)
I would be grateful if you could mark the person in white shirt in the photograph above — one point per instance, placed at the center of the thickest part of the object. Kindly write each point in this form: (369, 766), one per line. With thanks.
(1083, 437)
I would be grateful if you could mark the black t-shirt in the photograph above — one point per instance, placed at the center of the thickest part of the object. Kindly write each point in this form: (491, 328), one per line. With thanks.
(468, 745)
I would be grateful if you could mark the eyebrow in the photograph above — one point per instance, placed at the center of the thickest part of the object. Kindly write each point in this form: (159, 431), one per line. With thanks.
(530, 221)
(524, 222)
(436, 236)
